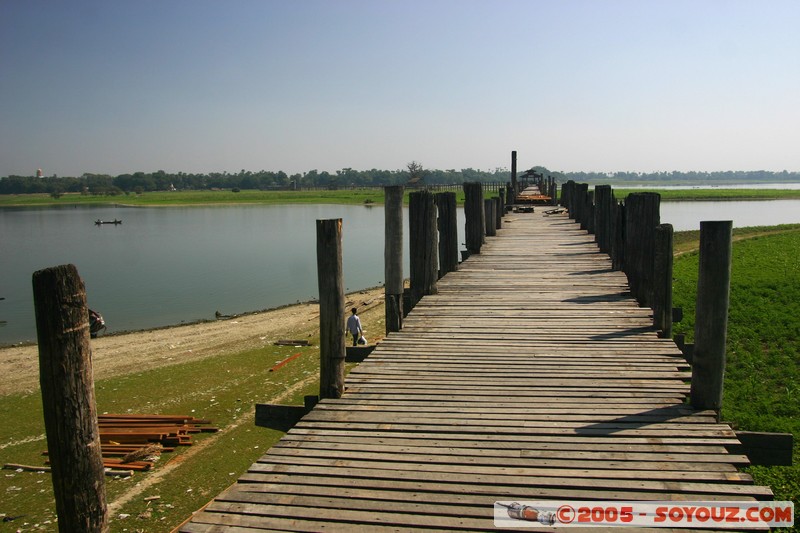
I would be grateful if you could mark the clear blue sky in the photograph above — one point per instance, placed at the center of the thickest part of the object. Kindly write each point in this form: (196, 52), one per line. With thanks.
(296, 85)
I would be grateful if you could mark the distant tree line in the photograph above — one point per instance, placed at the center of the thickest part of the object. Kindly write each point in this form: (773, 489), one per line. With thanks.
(688, 178)
(139, 182)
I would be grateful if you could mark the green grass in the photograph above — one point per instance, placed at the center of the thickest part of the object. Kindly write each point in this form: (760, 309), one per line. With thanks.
(762, 375)
(223, 389)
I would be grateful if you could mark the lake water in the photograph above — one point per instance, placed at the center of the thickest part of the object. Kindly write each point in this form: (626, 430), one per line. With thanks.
(165, 266)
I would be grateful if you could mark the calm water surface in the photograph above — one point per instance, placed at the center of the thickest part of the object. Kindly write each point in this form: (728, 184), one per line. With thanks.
(165, 266)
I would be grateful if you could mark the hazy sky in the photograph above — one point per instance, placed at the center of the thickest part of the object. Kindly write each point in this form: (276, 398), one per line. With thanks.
(296, 85)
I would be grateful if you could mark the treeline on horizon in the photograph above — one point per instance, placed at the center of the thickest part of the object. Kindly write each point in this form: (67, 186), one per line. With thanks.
(139, 182)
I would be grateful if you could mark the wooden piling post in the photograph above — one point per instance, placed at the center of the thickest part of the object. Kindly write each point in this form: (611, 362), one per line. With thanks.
(618, 238)
(448, 232)
(475, 217)
(502, 196)
(514, 171)
(70, 412)
(490, 217)
(511, 197)
(711, 315)
(662, 280)
(331, 308)
(603, 210)
(498, 212)
(584, 204)
(423, 242)
(642, 212)
(393, 256)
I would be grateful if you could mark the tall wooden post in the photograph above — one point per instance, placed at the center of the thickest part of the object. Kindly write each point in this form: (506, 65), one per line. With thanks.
(602, 217)
(475, 217)
(514, 171)
(582, 204)
(498, 212)
(711, 315)
(448, 232)
(70, 412)
(501, 191)
(393, 256)
(662, 281)
(489, 217)
(331, 308)
(423, 242)
(642, 212)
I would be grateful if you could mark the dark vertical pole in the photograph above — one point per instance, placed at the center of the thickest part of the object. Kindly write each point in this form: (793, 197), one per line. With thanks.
(502, 195)
(448, 232)
(602, 217)
(618, 242)
(581, 191)
(511, 197)
(424, 244)
(70, 412)
(642, 211)
(711, 315)
(498, 212)
(331, 308)
(514, 171)
(474, 214)
(662, 288)
(490, 217)
(393, 256)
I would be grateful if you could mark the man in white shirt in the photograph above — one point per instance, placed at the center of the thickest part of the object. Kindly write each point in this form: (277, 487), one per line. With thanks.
(354, 326)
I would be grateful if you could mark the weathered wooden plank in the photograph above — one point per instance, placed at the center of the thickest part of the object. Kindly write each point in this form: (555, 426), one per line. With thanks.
(516, 480)
(253, 482)
(521, 439)
(714, 457)
(652, 467)
(374, 461)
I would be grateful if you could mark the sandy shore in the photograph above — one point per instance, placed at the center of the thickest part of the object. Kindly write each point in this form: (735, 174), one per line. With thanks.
(117, 355)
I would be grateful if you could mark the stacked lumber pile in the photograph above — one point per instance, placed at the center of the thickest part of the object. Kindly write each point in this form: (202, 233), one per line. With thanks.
(133, 442)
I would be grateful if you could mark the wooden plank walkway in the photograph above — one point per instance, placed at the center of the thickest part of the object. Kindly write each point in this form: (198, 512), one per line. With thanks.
(533, 374)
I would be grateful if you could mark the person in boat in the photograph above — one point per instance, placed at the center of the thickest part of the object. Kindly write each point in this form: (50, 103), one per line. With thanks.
(96, 323)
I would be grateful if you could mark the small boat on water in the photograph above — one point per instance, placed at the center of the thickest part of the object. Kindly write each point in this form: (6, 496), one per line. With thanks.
(115, 222)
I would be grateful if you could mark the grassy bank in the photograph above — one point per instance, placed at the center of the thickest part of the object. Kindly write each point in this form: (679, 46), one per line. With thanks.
(350, 196)
(223, 389)
(762, 376)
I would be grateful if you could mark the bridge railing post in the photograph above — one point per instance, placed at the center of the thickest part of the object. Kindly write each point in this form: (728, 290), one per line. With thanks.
(423, 242)
(662, 280)
(711, 315)
(331, 308)
(393, 256)
(642, 215)
(448, 232)
(603, 209)
(490, 217)
(68, 400)
(475, 217)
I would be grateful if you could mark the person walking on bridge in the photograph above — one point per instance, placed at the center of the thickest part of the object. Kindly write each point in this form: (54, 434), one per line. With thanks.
(354, 326)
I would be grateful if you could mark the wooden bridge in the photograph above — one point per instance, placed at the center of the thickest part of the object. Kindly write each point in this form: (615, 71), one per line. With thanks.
(532, 375)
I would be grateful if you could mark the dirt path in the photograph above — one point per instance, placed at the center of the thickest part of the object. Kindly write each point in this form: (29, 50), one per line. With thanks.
(117, 355)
